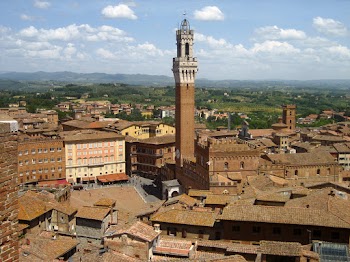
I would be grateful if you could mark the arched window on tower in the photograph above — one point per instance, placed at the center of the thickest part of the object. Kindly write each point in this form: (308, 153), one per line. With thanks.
(318, 171)
(226, 166)
(187, 49)
(241, 165)
(178, 50)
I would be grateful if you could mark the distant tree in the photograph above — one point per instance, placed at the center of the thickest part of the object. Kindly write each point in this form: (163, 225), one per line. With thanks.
(168, 120)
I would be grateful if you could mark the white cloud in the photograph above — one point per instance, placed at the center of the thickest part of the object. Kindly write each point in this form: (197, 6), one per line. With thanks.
(27, 17)
(105, 53)
(118, 11)
(76, 32)
(69, 51)
(276, 33)
(41, 4)
(341, 52)
(275, 47)
(329, 26)
(209, 13)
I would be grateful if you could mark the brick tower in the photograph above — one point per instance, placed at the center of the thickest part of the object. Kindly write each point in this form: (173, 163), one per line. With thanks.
(8, 195)
(184, 69)
(288, 116)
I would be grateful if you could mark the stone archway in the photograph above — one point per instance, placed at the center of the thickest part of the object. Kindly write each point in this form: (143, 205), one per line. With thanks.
(174, 194)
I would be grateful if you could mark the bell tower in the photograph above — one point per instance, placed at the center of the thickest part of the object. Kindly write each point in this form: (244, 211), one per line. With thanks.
(185, 70)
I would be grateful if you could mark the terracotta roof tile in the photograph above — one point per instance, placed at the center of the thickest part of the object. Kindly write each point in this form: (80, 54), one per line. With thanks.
(183, 199)
(81, 135)
(302, 158)
(31, 207)
(218, 199)
(281, 248)
(186, 217)
(49, 249)
(282, 215)
(140, 230)
(159, 140)
(94, 213)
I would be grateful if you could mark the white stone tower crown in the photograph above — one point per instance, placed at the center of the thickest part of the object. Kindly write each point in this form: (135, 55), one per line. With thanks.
(185, 66)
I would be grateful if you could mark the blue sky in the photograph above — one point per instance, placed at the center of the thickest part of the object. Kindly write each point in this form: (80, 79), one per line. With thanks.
(234, 39)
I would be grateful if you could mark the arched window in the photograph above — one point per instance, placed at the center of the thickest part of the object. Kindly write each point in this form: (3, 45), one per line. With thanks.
(226, 166)
(241, 165)
(318, 171)
(296, 172)
(187, 49)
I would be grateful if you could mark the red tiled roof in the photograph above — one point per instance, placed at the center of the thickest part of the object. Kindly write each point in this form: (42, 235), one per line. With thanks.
(173, 247)
(140, 230)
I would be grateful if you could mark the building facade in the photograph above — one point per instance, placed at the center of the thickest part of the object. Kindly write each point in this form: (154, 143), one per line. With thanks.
(40, 159)
(151, 154)
(90, 154)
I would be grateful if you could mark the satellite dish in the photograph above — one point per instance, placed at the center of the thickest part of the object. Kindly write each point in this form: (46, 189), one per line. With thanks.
(177, 153)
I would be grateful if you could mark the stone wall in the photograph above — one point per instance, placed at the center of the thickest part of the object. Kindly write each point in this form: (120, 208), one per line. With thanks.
(8, 196)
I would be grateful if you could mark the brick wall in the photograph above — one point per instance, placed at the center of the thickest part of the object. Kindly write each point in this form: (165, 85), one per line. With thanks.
(8, 196)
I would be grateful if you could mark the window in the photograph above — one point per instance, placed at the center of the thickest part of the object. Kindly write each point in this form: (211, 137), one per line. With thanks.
(200, 234)
(33, 151)
(52, 159)
(69, 146)
(111, 143)
(59, 159)
(45, 150)
(241, 165)
(59, 149)
(78, 146)
(19, 153)
(40, 150)
(33, 161)
(318, 171)
(26, 152)
(52, 149)
(226, 166)
(296, 172)
(276, 231)
(256, 229)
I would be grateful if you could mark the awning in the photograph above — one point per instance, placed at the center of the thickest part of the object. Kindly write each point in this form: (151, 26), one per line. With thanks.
(87, 179)
(113, 178)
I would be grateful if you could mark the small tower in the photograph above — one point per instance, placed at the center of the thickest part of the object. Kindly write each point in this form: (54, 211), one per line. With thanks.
(288, 116)
(185, 70)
